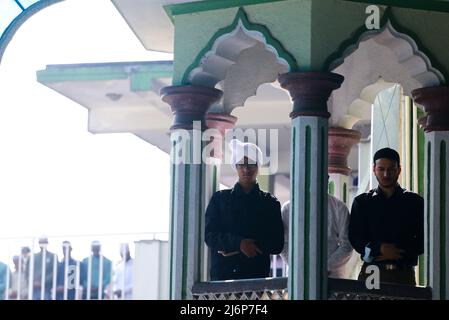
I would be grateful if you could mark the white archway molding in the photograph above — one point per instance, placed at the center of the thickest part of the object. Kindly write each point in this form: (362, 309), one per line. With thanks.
(234, 64)
(385, 54)
(360, 108)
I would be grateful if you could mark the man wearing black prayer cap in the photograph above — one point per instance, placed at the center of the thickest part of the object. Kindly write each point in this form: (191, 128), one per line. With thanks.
(387, 224)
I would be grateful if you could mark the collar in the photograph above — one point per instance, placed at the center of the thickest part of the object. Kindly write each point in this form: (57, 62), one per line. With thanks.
(398, 190)
(237, 190)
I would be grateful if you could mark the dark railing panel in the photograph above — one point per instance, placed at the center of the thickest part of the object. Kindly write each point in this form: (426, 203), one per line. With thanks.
(345, 289)
(276, 289)
(251, 289)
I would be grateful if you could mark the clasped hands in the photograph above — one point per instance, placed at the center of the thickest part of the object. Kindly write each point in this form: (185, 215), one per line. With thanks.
(389, 251)
(247, 246)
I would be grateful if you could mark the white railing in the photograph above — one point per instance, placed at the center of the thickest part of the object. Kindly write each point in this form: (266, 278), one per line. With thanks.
(30, 270)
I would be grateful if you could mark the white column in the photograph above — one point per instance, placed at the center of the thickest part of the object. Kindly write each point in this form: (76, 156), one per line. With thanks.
(436, 187)
(436, 224)
(307, 276)
(189, 105)
(307, 279)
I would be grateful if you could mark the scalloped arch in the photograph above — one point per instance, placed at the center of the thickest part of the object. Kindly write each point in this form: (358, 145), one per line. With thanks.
(382, 54)
(232, 61)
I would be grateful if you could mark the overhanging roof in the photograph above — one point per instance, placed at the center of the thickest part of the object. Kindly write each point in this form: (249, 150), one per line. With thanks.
(124, 97)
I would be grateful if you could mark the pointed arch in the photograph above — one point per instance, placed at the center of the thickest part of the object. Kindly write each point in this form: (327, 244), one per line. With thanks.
(232, 60)
(382, 54)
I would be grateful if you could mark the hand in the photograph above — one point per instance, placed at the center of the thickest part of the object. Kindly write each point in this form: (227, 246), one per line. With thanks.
(389, 251)
(249, 248)
(228, 254)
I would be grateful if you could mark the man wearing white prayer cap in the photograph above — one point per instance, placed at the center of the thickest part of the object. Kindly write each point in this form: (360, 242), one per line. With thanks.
(123, 275)
(43, 270)
(243, 224)
(93, 263)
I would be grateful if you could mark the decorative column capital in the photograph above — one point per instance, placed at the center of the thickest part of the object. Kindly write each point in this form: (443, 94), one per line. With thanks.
(340, 143)
(310, 91)
(189, 103)
(220, 122)
(435, 101)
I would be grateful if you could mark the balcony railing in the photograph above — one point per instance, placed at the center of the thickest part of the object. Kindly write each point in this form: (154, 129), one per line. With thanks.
(276, 289)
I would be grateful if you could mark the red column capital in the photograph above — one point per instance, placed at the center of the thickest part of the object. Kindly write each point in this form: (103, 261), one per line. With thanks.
(189, 103)
(310, 91)
(340, 143)
(435, 101)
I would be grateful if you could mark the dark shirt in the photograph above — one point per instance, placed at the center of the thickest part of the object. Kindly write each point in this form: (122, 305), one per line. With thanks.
(398, 220)
(231, 216)
(71, 279)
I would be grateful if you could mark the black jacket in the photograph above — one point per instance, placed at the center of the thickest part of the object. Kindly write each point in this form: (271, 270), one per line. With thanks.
(398, 219)
(232, 216)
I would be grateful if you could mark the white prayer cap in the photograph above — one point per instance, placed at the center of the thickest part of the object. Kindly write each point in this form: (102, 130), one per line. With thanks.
(43, 239)
(95, 243)
(239, 150)
(124, 247)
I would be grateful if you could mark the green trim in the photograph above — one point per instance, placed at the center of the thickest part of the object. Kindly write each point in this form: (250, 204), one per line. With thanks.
(292, 216)
(410, 124)
(200, 223)
(194, 7)
(429, 158)
(140, 73)
(421, 263)
(185, 235)
(172, 217)
(173, 10)
(331, 188)
(241, 16)
(345, 193)
(443, 225)
(81, 74)
(429, 5)
(421, 154)
(214, 178)
(323, 215)
(308, 160)
(337, 58)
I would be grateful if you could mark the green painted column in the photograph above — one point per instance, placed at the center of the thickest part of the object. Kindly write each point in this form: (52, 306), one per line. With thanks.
(436, 188)
(341, 141)
(189, 105)
(307, 277)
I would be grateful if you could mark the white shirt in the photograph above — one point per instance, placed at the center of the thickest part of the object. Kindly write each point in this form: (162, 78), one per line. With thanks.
(339, 249)
(123, 278)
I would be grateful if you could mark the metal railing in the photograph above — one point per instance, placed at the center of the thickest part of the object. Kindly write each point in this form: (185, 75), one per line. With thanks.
(276, 289)
(39, 274)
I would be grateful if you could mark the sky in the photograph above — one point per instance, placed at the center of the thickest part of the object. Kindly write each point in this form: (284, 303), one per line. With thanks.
(56, 178)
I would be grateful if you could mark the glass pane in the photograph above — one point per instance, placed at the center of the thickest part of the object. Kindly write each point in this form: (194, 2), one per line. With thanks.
(27, 3)
(8, 11)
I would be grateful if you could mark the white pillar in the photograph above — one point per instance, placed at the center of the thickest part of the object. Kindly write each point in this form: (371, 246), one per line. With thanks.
(189, 105)
(307, 278)
(436, 223)
(436, 187)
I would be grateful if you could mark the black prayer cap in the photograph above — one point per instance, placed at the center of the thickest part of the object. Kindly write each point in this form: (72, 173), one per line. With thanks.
(387, 153)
